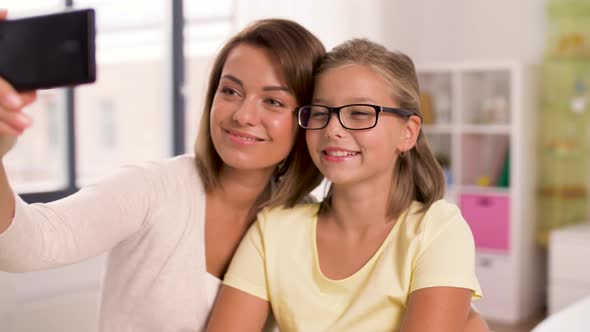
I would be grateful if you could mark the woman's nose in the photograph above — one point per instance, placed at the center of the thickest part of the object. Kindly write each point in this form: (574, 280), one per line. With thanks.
(246, 113)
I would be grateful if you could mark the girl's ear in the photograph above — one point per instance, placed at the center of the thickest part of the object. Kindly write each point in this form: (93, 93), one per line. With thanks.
(410, 133)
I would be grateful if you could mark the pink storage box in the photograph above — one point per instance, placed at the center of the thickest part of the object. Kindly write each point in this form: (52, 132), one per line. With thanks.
(489, 219)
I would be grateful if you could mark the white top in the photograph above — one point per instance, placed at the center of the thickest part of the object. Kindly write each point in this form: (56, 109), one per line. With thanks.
(151, 218)
(213, 285)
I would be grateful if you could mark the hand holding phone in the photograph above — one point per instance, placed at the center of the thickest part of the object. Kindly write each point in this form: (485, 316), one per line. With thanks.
(48, 51)
(13, 121)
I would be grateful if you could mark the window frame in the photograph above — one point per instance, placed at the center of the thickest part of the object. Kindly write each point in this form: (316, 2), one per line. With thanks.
(177, 103)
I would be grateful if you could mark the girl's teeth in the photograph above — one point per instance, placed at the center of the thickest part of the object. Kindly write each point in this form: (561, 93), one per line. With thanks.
(247, 138)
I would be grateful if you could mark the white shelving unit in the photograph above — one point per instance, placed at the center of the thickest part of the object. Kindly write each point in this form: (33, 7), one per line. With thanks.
(481, 127)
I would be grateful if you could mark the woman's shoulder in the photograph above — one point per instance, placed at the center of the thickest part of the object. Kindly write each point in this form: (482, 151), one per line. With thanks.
(174, 170)
(157, 179)
(179, 165)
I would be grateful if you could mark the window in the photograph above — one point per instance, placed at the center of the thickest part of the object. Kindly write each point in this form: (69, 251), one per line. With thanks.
(127, 116)
(107, 135)
(38, 161)
(206, 29)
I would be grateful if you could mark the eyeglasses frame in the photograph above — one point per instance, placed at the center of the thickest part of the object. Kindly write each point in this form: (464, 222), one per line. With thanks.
(378, 109)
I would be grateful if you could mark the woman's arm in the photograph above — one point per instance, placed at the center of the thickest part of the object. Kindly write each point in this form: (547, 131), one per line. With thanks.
(80, 226)
(440, 309)
(41, 236)
(236, 310)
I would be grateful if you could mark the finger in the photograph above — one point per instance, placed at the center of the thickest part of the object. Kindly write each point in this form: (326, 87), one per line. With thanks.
(3, 14)
(16, 120)
(28, 97)
(8, 130)
(9, 98)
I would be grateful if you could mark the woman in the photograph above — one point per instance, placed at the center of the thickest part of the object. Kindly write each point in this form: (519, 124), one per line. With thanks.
(172, 226)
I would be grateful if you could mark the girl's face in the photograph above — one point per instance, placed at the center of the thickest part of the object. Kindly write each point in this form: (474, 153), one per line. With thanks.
(252, 121)
(356, 156)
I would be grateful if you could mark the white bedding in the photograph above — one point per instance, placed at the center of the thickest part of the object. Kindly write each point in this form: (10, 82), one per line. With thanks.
(574, 318)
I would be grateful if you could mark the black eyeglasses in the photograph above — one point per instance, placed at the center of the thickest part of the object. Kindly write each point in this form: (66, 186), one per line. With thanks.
(352, 117)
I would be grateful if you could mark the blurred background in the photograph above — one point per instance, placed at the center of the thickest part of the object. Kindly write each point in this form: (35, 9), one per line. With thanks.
(504, 95)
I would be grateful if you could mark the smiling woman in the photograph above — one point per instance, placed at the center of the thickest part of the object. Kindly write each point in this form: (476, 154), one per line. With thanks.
(171, 226)
(253, 109)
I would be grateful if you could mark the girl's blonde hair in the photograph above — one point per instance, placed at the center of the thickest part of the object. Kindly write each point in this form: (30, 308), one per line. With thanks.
(418, 175)
(297, 51)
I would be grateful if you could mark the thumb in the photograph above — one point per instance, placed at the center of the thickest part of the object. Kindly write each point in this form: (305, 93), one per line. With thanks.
(6, 144)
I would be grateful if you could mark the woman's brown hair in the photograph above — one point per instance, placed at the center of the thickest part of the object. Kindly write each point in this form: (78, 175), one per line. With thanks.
(297, 51)
(418, 175)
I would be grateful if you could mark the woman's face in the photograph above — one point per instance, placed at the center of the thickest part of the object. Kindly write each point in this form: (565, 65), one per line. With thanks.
(353, 156)
(252, 121)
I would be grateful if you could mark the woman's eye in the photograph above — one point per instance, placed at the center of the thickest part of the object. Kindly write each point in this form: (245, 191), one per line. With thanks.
(274, 102)
(228, 91)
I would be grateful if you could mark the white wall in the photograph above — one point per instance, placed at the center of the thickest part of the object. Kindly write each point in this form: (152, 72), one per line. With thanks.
(427, 30)
(454, 30)
(333, 21)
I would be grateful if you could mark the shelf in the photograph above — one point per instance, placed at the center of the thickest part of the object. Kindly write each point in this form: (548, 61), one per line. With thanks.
(485, 159)
(486, 96)
(482, 138)
(491, 129)
(436, 97)
(437, 129)
(485, 190)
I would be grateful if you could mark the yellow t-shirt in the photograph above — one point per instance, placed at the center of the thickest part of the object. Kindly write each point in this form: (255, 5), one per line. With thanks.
(278, 262)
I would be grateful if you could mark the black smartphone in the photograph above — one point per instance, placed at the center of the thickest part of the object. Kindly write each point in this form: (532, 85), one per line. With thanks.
(48, 51)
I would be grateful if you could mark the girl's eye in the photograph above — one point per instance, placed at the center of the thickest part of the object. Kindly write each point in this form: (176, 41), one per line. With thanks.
(359, 114)
(320, 115)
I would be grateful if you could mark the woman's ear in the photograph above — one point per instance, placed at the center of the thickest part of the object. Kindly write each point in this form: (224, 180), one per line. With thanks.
(410, 133)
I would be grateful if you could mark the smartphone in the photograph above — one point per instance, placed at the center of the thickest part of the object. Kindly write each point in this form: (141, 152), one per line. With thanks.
(48, 51)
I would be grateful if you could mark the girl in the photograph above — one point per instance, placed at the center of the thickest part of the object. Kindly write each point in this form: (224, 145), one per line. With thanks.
(169, 223)
(383, 251)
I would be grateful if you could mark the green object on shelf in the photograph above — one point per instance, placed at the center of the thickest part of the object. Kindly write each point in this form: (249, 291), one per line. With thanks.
(504, 180)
